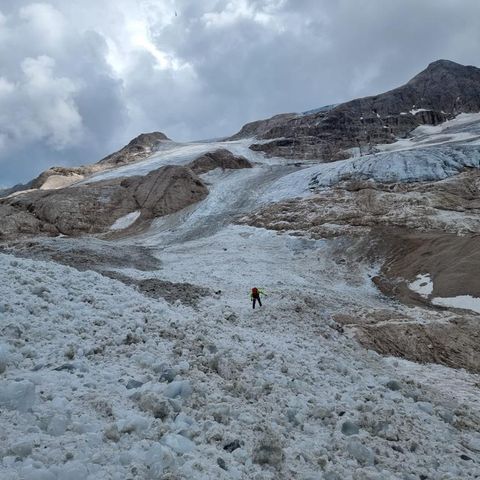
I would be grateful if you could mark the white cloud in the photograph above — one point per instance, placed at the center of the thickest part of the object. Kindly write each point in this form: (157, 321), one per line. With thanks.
(45, 22)
(40, 106)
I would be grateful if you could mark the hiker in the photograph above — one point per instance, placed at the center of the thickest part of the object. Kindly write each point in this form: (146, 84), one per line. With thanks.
(255, 296)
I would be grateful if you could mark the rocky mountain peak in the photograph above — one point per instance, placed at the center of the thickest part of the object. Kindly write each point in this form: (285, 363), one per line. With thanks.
(137, 149)
(438, 93)
(446, 69)
(148, 139)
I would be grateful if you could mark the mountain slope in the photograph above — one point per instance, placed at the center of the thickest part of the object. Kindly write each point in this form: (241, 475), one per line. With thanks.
(59, 177)
(137, 354)
(442, 91)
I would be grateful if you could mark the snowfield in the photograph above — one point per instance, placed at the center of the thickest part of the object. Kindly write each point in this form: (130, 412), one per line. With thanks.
(102, 382)
(99, 381)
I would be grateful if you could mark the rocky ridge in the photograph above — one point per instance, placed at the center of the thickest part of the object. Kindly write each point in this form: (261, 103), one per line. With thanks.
(442, 91)
(59, 177)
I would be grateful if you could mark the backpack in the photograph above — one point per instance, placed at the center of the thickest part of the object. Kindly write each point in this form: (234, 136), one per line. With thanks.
(254, 291)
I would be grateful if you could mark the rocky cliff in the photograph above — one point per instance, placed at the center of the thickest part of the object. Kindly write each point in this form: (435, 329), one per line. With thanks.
(94, 207)
(442, 91)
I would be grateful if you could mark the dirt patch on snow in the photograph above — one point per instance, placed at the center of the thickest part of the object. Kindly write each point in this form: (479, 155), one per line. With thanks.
(86, 254)
(186, 293)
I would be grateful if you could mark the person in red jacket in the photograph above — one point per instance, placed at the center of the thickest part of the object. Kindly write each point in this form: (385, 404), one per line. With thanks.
(255, 296)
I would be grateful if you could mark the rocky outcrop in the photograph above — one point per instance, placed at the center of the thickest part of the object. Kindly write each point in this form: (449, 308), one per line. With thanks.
(94, 207)
(450, 205)
(443, 90)
(165, 191)
(221, 158)
(138, 149)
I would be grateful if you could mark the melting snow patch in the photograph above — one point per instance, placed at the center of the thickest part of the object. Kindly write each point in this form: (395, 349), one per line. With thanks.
(422, 285)
(126, 221)
(466, 302)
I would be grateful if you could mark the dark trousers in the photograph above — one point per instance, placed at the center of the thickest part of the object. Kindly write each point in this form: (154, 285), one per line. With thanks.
(255, 299)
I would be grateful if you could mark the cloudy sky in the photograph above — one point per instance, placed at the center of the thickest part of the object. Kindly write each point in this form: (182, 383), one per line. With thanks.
(79, 79)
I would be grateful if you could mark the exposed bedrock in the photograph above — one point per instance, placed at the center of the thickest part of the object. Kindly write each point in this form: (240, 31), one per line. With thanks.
(221, 158)
(94, 207)
(443, 90)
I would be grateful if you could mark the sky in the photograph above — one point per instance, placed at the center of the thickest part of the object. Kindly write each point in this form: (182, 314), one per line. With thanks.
(78, 80)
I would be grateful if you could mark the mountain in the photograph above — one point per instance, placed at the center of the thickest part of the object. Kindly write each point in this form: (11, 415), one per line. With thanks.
(129, 347)
(57, 177)
(440, 92)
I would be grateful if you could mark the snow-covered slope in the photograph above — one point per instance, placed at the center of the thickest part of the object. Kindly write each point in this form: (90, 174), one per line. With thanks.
(180, 154)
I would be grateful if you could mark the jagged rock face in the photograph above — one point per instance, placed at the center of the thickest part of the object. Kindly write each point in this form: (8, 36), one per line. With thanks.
(17, 222)
(221, 158)
(440, 92)
(93, 208)
(262, 127)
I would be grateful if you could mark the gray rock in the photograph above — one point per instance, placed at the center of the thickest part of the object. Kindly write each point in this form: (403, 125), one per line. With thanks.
(393, 385)
(139, 148)
(69, 367)
(133, 384)
(230, 447)
(220, 158)
(444, 89)
(350, 428)
(94, 207)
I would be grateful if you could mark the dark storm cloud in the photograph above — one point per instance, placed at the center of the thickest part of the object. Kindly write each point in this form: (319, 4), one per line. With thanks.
(78, 79)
